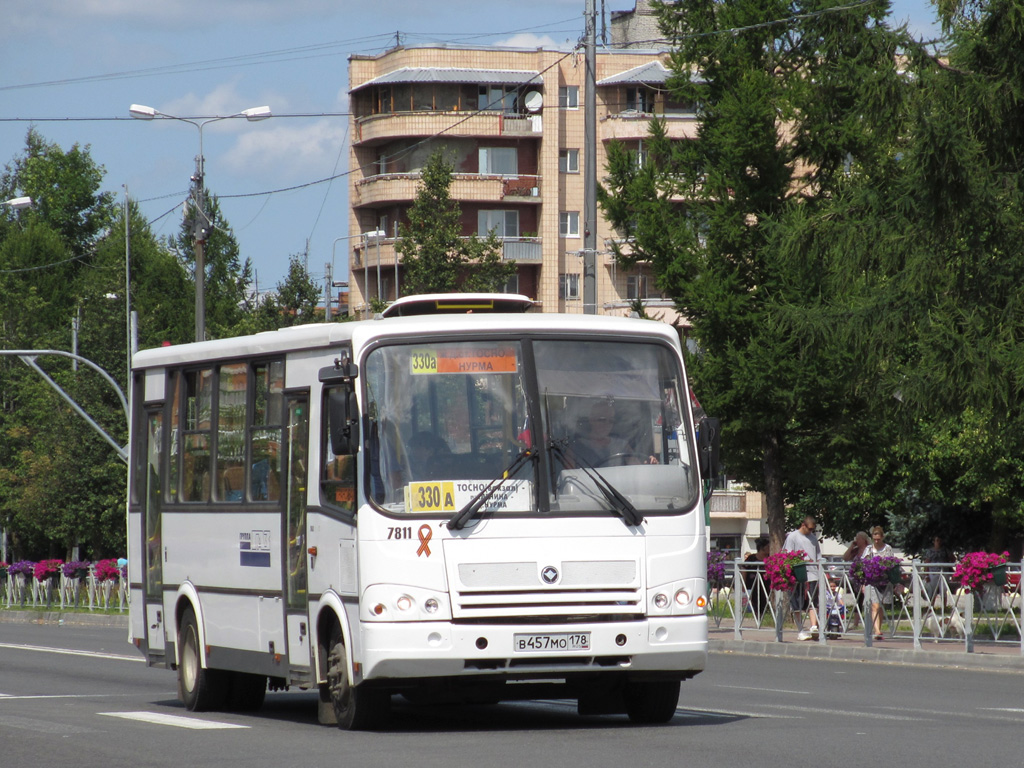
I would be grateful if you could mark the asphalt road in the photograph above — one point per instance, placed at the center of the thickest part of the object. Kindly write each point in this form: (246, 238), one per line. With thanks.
(77, 696)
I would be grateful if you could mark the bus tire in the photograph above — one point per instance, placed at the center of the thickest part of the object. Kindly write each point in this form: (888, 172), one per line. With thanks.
(199, 689)
(247, 692)
(650, 702)
(356, 707)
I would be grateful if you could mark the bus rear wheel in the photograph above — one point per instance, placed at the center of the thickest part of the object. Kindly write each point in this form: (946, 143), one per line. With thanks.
(356, 707)
(651, 702)
(199, 689)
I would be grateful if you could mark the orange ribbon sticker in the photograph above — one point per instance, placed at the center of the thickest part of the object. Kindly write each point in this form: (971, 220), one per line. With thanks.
(424, 533)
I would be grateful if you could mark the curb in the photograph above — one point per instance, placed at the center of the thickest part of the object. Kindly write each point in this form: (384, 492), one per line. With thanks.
(943, 659)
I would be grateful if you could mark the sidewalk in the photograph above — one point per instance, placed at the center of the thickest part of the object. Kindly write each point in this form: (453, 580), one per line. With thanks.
(1004, 657)
(56, 616)
(755, 642)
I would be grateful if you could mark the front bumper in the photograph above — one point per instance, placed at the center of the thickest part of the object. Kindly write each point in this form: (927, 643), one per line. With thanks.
(673, 646)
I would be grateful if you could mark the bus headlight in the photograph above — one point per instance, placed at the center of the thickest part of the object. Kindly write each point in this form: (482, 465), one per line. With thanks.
(682, 598)
(430, 605)
(661, 601)
(404, 603)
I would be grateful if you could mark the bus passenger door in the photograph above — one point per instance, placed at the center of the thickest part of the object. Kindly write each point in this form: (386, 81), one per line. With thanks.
(295, 536)
(152, 545)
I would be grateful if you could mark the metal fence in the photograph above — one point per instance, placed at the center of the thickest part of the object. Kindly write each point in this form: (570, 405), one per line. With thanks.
(63, 592)
(926, 606)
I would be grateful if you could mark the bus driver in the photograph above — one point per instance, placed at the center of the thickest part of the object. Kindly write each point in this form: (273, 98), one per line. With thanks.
(596, 445)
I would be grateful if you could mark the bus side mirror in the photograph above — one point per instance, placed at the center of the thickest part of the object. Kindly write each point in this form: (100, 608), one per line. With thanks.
(343, 415)
(709, 441)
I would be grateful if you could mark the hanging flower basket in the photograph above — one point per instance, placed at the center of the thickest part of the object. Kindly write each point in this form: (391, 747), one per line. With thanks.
(894, 574)
(780, 569)
(976, 569)
(875, 571)
(48, 570)
(999, 574)
(800, 572)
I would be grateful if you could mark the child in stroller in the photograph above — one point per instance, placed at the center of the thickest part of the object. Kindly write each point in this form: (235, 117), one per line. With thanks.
(835, 609)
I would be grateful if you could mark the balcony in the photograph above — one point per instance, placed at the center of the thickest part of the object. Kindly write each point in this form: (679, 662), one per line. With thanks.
(374, 129)
(366, 256)
(469, 187)
(634, 126)
(523, 249)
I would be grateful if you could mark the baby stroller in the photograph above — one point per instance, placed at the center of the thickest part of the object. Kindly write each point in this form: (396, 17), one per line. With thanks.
(835, 610)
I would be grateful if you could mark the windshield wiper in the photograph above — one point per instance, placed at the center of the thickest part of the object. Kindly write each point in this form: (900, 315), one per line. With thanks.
(459, 519)
(619, 503)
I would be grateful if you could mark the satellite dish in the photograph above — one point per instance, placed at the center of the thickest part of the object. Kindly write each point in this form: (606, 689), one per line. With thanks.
(534, 101)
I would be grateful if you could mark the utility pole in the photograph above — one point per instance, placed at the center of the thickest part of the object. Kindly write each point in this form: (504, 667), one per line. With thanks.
(328, 280)
(200, 231)
(590, 165)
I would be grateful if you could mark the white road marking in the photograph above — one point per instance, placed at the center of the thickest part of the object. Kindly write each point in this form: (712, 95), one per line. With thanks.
(734, 713)
(14, 697)
(764, 690)
(173, 720)
(72, 652)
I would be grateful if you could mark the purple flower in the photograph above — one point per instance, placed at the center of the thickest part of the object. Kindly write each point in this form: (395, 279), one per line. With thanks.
(24, 567)
(717, 562)
(75, 568)
(872, 571)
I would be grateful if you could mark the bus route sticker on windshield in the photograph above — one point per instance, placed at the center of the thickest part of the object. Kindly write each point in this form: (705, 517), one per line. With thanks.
(453, 495)
(429, 361)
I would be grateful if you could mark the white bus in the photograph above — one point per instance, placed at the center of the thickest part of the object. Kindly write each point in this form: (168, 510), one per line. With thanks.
(460, 501)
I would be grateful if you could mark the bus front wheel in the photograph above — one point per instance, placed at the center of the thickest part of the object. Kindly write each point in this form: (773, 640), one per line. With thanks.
(356, 707)
(651, 702)
(199, 689)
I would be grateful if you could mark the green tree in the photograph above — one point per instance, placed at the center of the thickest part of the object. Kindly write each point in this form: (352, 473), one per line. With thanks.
(294, 302)
(788, 112)
(436, 256)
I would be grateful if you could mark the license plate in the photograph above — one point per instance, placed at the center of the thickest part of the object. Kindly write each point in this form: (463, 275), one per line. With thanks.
(557, 641)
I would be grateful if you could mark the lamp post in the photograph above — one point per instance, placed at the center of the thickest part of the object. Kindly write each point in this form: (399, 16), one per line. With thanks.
(201, 223)
(331, 268)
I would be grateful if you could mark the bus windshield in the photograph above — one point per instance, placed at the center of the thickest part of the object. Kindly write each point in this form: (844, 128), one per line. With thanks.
(447, 418)
(613, 415)
(452, 412)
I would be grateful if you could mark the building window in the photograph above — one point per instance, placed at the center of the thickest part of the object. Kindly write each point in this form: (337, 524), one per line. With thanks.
(504, 224)
(497, 98)
(569, 96)
(639, 100)
(569, 286)
(512, 285)
(569, 224)
(501, 161)
(636, 287)
(569, 161)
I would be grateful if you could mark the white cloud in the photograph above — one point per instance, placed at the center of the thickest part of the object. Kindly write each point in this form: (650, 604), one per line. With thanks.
(291, 151)
(528, 40)
(174, 12)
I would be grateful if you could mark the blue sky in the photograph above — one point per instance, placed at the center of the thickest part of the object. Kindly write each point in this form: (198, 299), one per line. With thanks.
(63, 59)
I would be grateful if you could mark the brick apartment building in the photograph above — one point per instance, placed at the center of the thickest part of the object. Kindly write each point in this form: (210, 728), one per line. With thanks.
(512, 122)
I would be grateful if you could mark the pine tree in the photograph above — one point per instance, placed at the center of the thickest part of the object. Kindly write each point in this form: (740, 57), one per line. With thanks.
(435, 255)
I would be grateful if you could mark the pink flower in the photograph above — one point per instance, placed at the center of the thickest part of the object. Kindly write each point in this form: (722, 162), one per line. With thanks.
(975, 568)
(779, 569)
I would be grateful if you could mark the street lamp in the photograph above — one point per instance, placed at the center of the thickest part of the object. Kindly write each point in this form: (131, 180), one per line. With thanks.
(202, 224)
(19, 203)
